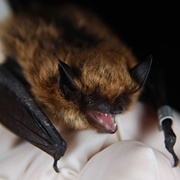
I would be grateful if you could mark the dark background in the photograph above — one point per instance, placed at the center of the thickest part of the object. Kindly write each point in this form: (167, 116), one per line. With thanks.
(147, 27)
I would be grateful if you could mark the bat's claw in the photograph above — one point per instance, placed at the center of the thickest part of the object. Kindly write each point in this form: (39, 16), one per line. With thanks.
(55, 166)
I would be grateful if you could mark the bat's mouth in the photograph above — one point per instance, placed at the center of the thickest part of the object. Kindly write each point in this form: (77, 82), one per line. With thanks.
(105, 121)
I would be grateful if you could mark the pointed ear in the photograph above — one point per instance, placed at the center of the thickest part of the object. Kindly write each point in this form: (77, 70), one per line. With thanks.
(66, 83)
(141, 71)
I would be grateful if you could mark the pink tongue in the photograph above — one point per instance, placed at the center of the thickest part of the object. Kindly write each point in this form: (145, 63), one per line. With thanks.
(107, 119)
(107, 122)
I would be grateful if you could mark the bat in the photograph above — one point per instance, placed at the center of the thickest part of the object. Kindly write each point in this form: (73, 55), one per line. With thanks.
(68, 70)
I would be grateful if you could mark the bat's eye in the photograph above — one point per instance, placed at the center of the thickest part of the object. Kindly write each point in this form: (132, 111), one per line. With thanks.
(91, 102)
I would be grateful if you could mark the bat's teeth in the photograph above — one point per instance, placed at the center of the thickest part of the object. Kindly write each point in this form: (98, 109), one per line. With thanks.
(101, 121)
(115, 124)
(105, 114)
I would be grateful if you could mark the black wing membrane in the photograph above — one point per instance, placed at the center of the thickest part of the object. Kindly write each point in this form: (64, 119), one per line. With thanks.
(20, 113)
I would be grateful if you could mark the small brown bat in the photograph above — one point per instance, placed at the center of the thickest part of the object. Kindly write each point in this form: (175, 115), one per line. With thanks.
(79, 72)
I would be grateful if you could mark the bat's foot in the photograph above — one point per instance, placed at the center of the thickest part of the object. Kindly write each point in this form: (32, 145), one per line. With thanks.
(165, 115)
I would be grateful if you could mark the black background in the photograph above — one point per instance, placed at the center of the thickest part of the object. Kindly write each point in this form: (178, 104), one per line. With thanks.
(147, 27)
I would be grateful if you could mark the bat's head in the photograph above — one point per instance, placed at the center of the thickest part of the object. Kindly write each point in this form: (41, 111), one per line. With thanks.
(102, 90)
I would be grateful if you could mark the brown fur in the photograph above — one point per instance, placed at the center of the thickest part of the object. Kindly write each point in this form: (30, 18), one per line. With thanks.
(103, 61)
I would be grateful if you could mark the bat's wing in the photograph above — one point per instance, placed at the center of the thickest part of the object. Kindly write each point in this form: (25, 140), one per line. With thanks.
(21, 114)
(156, 89)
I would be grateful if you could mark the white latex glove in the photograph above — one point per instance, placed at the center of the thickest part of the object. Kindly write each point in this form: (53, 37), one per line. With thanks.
(96, 156)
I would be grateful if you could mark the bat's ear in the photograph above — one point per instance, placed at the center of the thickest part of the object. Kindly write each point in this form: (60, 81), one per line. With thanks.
(66, 83)
(141, 71)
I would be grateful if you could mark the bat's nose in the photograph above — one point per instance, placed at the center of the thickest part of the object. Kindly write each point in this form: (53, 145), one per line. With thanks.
(117, 110)
(111, 108)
